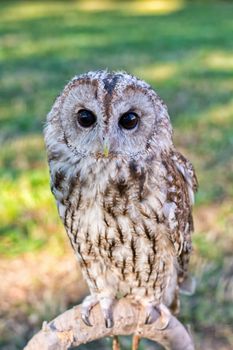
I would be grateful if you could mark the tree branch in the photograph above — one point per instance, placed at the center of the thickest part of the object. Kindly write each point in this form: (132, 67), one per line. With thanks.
(68, 330)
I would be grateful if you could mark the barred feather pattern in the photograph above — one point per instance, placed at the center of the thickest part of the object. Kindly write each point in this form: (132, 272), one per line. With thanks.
(128, 216)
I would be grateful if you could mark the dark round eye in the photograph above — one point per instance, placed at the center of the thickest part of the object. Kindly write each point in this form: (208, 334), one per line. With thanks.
(129, 120)
(86, 118)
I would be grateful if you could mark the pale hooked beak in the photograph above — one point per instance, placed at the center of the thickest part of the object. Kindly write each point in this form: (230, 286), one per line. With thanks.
(106, 147)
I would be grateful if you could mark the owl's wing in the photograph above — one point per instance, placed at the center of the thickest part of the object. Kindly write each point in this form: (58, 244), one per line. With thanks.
(186, 169)
(181, 189)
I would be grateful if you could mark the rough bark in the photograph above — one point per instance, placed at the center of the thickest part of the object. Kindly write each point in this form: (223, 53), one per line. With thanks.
(68, 330)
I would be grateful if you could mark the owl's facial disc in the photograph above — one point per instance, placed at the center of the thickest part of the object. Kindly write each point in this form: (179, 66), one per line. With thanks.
(105, 115)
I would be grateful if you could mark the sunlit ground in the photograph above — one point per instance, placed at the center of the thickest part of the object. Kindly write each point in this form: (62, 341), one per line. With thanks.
(184, 49)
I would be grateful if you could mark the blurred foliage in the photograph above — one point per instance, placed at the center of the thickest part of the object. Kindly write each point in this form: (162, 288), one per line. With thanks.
(184, 49)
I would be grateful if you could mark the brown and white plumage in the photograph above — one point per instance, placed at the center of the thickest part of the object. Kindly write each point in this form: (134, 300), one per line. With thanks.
(127, 212)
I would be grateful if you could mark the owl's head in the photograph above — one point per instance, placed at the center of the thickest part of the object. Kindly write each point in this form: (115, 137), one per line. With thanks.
(102, 114)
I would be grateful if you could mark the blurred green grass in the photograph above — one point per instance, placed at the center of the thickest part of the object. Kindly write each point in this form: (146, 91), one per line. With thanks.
(184, 49)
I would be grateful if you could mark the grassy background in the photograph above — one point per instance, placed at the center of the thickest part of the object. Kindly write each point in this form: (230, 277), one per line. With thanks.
(184, 49)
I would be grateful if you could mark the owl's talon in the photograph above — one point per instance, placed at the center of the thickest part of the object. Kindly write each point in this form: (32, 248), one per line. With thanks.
(160, 315)
(165, 316)
(109, 322)
(148, 319)
(87, 305)
(86, 320)
(152, 314)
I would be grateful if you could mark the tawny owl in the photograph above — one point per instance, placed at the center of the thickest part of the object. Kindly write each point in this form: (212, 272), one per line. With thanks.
(123, 192)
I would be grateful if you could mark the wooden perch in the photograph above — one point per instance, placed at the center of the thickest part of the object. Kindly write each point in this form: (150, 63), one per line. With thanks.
(68, 330)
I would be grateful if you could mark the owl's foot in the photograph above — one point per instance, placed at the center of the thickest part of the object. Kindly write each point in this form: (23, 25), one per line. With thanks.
(105, 305)
(87, 305)
(158, 314)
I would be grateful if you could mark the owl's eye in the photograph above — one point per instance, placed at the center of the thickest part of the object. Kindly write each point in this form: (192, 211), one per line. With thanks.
(86, 118)
(129, 120)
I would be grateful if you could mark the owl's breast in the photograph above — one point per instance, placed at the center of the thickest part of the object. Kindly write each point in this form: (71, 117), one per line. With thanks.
(112, 202)
(115, 223)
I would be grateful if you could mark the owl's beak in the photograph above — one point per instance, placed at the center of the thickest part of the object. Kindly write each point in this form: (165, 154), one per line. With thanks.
(106, 147)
